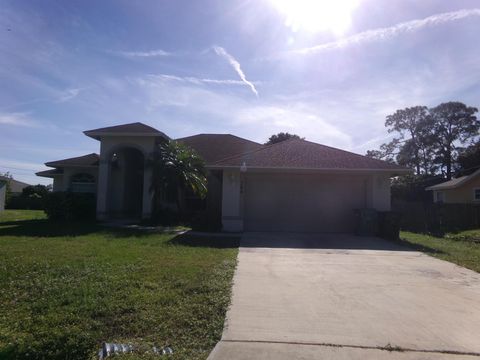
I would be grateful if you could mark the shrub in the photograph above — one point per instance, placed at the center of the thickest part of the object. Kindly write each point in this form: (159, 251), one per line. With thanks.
(32, 198)
(165, 216)
(70, 206)
(31, 202)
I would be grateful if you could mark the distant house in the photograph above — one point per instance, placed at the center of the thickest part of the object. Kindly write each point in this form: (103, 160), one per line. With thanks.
(294, 185)
(16, 187)
(461, 190)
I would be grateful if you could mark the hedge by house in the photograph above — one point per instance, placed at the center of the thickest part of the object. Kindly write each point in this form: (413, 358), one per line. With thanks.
(70, 206)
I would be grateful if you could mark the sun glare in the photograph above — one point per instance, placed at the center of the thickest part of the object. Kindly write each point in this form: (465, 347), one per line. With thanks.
(317, 15)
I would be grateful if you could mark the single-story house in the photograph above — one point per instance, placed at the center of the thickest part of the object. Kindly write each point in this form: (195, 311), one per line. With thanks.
(461, 190)
(16, 187)
(294, 185)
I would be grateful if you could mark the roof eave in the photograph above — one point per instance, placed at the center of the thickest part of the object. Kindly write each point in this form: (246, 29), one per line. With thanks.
(57, 165)
(98, 135)
(394, 172)
(453, 186)
(51, 176)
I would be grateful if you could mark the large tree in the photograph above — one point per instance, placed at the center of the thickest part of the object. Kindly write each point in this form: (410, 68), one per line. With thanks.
(281, 136)
(454, 125)
(468, 159)
(412, 144)
(176, 168)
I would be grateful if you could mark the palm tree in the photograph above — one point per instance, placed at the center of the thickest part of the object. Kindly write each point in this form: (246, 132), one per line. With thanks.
(175, 169)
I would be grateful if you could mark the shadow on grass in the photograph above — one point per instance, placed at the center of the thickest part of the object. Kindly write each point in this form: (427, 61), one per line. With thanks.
(212, 241)
(419, 247)
(46, 228)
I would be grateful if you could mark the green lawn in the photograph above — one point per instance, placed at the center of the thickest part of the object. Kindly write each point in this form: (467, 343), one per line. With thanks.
(16, 215)
(462, 248)
(66, 287)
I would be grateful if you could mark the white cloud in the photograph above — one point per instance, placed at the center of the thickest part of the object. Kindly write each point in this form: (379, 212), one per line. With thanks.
(220, 51)
(69, 94)
(206, 110)
(20, 165)
(198, 81)
(17, 119)
(264, 120)
(390, 32)
(142, 54)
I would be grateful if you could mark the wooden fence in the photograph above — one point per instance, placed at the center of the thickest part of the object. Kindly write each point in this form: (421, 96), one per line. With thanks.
(437, 218)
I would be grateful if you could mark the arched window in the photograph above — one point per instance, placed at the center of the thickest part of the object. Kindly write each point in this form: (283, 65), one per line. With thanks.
(82, 183)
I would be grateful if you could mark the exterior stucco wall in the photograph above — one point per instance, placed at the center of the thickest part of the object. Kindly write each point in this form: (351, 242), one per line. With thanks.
(57, 183)
(232, 219)
(461, 195)
(378, 192)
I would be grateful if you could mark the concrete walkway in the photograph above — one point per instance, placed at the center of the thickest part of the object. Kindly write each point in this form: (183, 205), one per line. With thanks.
(298, 296)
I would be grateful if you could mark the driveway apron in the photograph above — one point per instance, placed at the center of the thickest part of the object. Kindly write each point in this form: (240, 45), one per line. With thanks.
(309, 296)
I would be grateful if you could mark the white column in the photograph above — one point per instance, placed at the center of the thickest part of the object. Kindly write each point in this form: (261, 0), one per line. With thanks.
(232, 219)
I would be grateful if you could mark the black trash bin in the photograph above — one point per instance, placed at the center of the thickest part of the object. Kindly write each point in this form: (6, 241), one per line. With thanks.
(366, 222)
(389, 225)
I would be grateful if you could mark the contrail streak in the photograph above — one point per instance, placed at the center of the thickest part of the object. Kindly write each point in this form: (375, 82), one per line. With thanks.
(390, 32)
(236, 66)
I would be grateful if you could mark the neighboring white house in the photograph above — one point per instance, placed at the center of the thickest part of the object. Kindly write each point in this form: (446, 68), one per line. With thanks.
(295, 185)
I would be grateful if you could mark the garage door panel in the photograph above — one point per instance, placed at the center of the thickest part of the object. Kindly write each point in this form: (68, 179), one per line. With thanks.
(304, 203)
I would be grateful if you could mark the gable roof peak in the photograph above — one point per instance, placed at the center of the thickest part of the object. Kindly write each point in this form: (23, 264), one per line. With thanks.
(131, 129)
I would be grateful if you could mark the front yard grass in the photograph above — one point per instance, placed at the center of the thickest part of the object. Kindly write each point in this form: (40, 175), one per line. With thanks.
(17, 215)
(66, 287)
(461, 248)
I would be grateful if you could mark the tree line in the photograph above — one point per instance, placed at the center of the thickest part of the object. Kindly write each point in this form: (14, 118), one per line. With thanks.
(438, 140)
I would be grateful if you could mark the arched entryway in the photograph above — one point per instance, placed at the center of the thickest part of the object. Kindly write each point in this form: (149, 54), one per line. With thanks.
(125, 185)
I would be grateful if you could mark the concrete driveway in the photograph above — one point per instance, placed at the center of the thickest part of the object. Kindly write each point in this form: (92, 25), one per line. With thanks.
(306, 296)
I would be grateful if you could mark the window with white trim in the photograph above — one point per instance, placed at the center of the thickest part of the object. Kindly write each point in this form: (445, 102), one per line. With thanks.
(476, 194)
(439, 196)
(83, 183)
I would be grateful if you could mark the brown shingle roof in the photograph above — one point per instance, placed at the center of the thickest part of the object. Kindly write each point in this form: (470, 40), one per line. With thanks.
(133, 129)
(302, 154)
(454, 183)
(214, 147)
(85, 160)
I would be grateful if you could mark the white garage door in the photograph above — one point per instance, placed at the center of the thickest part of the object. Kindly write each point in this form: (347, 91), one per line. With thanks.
(302, 203)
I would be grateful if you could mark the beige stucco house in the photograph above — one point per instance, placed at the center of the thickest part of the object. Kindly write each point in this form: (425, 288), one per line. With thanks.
(295, 185)
(461, 190)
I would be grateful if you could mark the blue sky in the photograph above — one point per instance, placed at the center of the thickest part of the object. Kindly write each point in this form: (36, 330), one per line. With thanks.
(251, 68)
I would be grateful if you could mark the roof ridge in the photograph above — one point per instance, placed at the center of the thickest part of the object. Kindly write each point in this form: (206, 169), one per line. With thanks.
(345, 151)
(264, 147)
(221, 134)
